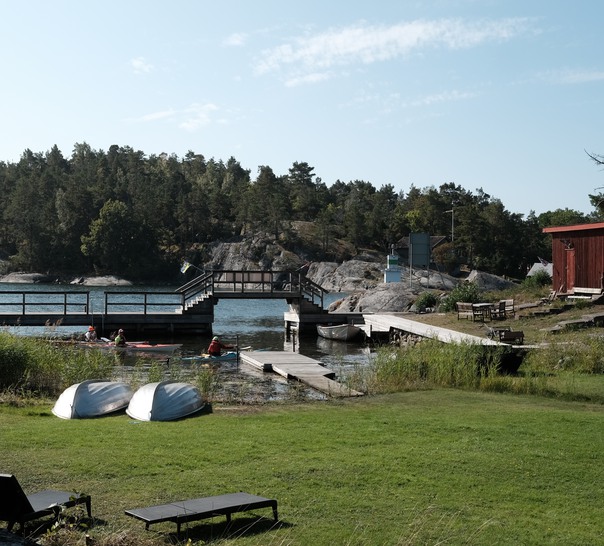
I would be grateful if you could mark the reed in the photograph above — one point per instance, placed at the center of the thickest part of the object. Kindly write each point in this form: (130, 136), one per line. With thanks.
(572, 371)
(47, 367)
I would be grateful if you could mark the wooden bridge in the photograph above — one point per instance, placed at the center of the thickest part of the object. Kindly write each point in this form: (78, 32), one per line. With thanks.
(187, 310)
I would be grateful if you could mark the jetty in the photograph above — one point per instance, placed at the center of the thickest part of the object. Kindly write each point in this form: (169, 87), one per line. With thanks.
(376, 324)
(189, 309)
(295, 366)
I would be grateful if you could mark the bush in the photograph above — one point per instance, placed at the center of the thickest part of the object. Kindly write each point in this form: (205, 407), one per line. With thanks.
(538, 280)
(424, 300)
(466, 291)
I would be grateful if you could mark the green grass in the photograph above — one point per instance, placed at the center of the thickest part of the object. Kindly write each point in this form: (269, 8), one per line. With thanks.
(429, 467)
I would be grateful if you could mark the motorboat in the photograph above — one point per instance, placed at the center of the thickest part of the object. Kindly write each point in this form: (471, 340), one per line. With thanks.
(338, 332)
(165, 401)
(92, 398)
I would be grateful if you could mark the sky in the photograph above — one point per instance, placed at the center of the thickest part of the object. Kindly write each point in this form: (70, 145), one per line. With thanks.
(503, 96)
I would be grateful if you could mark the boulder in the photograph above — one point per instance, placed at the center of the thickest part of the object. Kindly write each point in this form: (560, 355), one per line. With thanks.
(486, 281)
(394, 297)
(346, 277)
(107, 280)
(27, 278)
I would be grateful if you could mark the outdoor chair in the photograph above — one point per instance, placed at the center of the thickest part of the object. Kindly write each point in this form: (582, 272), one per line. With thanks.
(499, 310)
(17, 507)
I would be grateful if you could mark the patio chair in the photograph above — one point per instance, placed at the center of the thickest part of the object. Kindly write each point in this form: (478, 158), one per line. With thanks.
(499, 310)
(17, 507)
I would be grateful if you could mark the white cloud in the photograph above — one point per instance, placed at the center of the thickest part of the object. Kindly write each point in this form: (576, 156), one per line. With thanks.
(574, 76)
(154, 116)
(371, 44)
(140, 65)
(315, 77)
(447, 96)
(236, 39)
(197, 115)
(190, 119)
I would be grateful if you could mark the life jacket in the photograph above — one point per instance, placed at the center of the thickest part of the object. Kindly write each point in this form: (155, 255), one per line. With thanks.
(215, 348)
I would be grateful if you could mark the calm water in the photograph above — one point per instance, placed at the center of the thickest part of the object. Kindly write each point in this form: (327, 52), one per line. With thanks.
(257, 324)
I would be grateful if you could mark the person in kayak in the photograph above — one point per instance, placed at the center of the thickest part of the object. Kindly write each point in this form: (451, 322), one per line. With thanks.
(120, 339)
(216, 347)
(90, 335)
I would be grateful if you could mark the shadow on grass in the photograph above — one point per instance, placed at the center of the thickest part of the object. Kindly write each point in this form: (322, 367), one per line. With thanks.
(239, 527)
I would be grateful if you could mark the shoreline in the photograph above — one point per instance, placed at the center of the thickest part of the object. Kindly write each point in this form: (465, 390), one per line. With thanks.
(39, 278)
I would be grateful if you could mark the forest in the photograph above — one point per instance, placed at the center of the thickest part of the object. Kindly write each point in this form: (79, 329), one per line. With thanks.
(124, 213)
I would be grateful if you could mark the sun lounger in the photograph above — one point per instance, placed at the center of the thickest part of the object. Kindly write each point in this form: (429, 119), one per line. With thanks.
(17, 507)
(207, 507)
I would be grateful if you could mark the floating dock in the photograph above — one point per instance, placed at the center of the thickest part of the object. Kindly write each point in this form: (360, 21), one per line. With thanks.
(298, 367)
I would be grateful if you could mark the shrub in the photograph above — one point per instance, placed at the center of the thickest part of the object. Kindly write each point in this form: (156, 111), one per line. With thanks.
(466, 291)
(424, 300)
(538, 280)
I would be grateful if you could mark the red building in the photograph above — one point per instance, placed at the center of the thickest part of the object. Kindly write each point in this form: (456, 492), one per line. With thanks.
(577, 256)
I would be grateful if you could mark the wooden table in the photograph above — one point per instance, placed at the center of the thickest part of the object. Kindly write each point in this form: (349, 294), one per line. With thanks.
(482, 310)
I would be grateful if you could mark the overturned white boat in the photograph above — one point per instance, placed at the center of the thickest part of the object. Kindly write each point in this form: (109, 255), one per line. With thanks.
(92, 398)
(165, 401)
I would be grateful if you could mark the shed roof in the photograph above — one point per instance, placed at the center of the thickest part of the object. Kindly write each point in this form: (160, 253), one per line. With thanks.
(577, 227)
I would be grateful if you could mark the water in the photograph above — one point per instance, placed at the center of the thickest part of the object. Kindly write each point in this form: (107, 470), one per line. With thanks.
(257, 324)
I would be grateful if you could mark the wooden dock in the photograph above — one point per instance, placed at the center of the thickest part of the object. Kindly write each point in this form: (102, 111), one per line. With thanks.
(298, 367)
(381, 324)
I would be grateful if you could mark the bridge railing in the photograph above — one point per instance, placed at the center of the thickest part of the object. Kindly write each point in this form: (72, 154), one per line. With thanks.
(278, 284)
(38, 301)
(142, 302)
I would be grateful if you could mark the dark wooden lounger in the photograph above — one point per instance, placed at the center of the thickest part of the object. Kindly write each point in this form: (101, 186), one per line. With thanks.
(17, 507)
(206, 507)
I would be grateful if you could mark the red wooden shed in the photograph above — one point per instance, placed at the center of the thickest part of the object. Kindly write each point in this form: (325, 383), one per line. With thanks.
(577, 256)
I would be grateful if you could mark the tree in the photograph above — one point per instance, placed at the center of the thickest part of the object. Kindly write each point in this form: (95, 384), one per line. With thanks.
(119, 243)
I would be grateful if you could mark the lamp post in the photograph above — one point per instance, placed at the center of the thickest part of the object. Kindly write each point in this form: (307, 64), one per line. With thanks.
(452, 211)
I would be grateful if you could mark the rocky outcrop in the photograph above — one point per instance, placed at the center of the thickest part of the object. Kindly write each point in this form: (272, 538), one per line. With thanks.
(254, 253)
(108, 280)
(27, 278)
(384, 298)
(486, 281)
(346, 277)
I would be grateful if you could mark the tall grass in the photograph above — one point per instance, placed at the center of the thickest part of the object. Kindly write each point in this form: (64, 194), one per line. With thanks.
(429, 364)
(45, 367)
(553, 371)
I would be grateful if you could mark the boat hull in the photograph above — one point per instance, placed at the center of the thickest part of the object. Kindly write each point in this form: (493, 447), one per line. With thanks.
(165, 401)
(92, 398)
(339, 332)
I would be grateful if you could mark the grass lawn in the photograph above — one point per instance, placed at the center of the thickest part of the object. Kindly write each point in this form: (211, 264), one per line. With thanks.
(430, 467)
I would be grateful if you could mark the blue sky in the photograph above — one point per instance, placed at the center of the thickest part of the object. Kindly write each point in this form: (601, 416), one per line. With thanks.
(502, 95)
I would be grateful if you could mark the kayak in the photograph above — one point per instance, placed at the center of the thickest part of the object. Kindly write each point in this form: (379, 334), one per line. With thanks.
(230, 356)
(134, 346)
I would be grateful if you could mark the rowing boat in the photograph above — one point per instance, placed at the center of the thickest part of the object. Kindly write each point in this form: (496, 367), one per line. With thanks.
(165, 401)
(339, 332)
(92, 398)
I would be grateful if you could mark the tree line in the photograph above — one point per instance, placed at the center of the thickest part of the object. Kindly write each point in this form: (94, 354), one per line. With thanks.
(125, 213)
